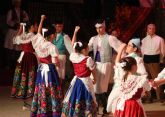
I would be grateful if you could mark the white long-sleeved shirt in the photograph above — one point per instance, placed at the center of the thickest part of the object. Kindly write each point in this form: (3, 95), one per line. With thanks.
(113, 42)
(153, 45)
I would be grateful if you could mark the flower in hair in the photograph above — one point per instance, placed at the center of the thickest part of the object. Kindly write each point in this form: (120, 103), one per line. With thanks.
(123, 64)
(79, 43)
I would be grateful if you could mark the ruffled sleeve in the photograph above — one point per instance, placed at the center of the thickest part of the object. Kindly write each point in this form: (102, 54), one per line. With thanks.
(68, 44)
(90, 63)
(23, 38)
(53, 51)
(141, 68)
(131, 86)
(147, 86)
(76, 58)
(119, 73)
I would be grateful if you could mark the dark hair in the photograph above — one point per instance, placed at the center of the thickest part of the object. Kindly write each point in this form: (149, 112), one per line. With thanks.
(51, 30)
(99, 21)
(59, 21)
(130, 61)
(79, 48)
(30, 23)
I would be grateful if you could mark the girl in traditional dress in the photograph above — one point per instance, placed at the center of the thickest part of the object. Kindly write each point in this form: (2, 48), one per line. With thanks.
(26, 69)
(47, 95)
(132, 49)
(80, 98)
(131, 87)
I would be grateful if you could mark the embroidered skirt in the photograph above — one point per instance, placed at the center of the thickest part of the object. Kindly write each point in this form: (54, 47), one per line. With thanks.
(80, 99)
(25, 76)
(47, 97)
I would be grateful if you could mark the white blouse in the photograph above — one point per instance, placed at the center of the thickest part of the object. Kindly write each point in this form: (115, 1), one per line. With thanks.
(23, 38)
(44, 48)
(113, 41)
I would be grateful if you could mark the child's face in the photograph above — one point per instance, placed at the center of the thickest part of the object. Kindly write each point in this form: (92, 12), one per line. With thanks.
(130, 48)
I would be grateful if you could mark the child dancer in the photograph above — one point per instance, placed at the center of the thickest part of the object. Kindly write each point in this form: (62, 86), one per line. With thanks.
(131, 87)
(47, 95)
(80, 98)
(25, 72)
(132, 49)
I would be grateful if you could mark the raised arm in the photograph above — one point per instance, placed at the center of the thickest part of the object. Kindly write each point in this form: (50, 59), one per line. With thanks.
(68, 42)
(120, 51)
(41, 23)
(75, 34)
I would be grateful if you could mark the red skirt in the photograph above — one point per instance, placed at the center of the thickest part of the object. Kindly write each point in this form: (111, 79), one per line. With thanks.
(132, 108)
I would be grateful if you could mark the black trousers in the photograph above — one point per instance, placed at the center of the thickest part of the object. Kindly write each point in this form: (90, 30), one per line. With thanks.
(102, 99)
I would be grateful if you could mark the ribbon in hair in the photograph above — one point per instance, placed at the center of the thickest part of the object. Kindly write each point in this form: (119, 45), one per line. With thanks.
(43, 31)
(79, 43)
(23, 26)
(123, 64)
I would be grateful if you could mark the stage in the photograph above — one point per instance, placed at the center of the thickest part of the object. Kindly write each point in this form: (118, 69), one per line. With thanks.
(10, 107)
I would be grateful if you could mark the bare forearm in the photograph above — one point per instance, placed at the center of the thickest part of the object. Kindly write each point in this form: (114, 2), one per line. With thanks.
(74, 38)
(41, 24)
(20, 30)
(120, 51)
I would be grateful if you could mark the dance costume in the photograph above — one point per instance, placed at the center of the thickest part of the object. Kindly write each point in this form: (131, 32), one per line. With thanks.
(47, 95)
(80, 98)
(26, 68)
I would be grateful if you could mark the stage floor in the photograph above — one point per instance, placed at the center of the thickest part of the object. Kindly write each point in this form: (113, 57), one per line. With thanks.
(10, 107)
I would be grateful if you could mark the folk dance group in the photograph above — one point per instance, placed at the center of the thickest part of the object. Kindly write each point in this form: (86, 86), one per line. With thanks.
(40, 72)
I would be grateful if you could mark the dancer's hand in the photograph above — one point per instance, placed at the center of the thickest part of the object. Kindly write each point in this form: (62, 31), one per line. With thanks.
(77, 28)
(94, 81)
(154, 84)
(43, 17)
(122, 47)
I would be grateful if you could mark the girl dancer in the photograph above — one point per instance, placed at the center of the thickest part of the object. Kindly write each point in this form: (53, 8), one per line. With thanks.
(131, 88)
(132, 49)
(25, 72)
(47, 95)
(80, 98)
